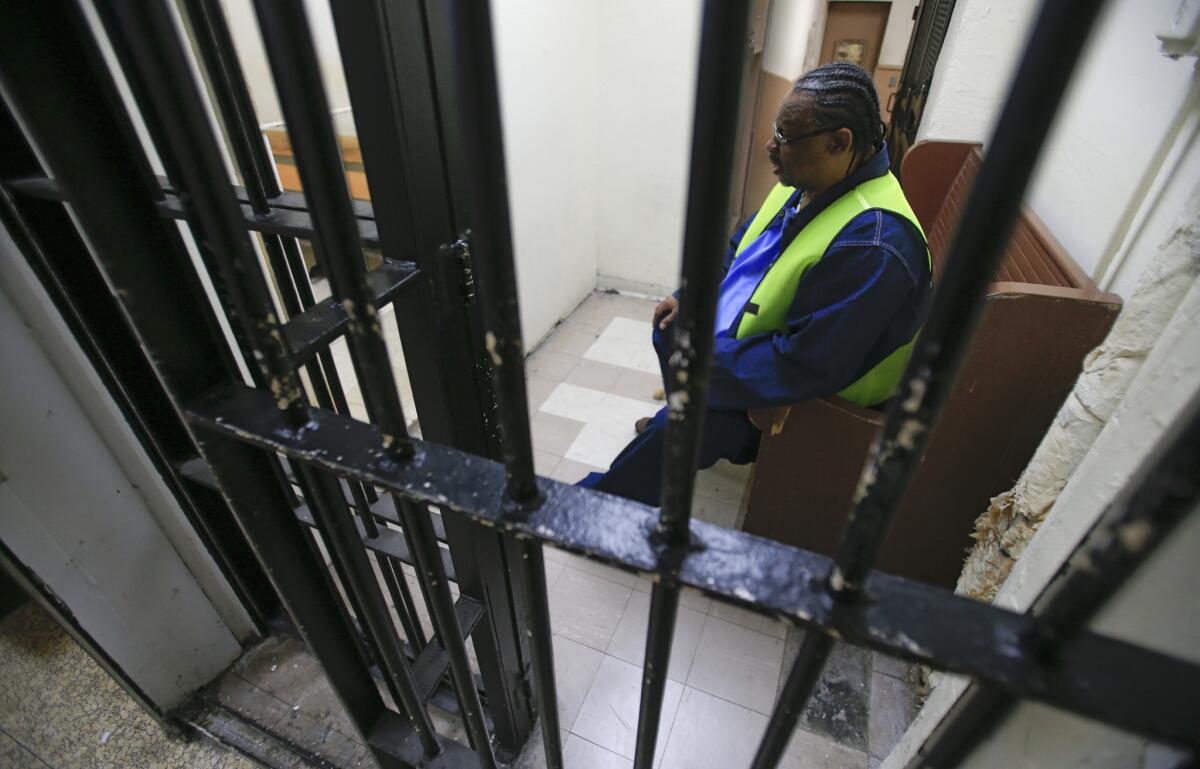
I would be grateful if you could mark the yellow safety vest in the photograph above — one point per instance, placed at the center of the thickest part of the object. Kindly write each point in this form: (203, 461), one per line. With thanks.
(767, 310)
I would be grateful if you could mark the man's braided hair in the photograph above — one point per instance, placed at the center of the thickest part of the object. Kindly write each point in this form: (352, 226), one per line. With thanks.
(844, 95)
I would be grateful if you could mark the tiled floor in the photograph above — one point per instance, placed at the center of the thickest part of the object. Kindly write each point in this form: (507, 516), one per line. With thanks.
(588, 382)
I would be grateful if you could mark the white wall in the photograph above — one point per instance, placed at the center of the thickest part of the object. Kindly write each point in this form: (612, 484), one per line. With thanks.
(547, 72)
(81, 506)
(1125, 111)
(790, 36)
(644, 94)
(243, 25)
(899, 29)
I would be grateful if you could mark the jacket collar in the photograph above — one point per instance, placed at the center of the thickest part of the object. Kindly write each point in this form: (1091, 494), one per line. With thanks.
(876, 166)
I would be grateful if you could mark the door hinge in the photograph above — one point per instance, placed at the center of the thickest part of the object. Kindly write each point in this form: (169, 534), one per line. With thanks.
(455, 259)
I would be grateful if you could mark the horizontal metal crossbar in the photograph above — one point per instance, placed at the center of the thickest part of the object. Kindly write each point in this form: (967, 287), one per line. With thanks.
(390, 542)
(1093, 676)
(293, 201)
(431, 665)
(288, 215)
(312, 330)
(280, 221)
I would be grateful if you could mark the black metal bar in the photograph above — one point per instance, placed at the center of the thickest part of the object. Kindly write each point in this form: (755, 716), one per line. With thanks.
(339, 533)
(280, 221)
(905, 619)
(316, 327)
(389, 542)
(1050, 56)
(394, 53)
(722, 55)
(154, 280)
(491, 236)
(542, 643)
(298, 81)
(495, 272)
(191, 155)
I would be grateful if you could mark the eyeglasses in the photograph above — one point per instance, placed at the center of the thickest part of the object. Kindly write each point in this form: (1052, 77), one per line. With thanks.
(783, 141)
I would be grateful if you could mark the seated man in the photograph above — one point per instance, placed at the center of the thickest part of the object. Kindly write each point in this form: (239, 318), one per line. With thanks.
(824, 290)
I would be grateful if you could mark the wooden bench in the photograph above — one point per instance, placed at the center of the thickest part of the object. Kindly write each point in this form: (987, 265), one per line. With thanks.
(1041, 317)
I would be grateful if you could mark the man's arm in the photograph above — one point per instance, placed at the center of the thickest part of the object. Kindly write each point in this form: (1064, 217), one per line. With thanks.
(849, 309)
(668, 309)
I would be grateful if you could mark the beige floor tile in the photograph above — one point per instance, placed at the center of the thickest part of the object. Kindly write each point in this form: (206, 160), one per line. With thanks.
(552, 434)
(638, 385)
(737, 664)
(544, 462)
(893, 707)
(746, 618)
(711, 733)
(550, 365)
(537, 389)
(629, 641)
(716, 511)
(603, 571)
(689, 598)
(609, 715)
(570, 471)
(579, 752)
(724, 480)
(570, 339)
(593, 374)
(586, 609)
(575, 667)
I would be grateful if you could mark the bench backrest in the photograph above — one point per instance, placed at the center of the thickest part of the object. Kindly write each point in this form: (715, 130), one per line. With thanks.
(942, 174)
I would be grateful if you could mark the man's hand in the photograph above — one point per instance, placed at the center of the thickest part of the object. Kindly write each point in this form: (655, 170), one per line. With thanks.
(665, 312)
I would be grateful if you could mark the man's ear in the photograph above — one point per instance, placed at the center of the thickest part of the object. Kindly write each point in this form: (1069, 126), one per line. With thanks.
(840, 141)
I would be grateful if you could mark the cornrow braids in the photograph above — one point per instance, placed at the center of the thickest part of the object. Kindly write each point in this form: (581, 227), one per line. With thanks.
(844, 95)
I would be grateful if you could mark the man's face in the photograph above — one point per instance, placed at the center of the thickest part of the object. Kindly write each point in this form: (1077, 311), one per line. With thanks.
(811, 162)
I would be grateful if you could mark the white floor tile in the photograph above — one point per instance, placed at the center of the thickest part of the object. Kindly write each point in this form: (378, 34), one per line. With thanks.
(629, 641)
(710, 733)
(626, 343)
(603, 571)
(575, 667)
(588, 755)
(689, 598)
(609, 715)
(586, 609)
(608, 421)
(746, 618)
(737, 664)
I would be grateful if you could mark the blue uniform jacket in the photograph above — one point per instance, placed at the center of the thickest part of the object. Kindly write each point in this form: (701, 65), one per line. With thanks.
(867, 296)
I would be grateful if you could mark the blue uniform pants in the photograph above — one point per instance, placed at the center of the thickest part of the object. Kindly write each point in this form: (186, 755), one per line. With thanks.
(636, 473)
